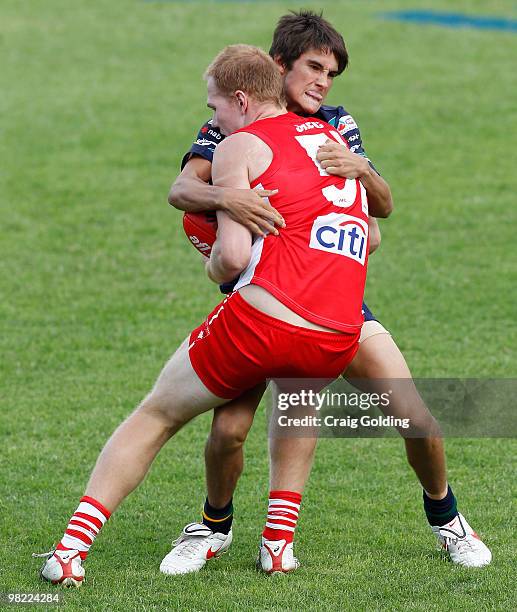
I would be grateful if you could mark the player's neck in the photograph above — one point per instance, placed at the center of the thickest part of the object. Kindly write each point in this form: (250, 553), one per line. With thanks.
(267, 111)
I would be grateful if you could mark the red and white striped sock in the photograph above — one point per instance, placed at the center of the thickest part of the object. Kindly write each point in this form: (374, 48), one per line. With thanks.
(282, 515)
(84, 526)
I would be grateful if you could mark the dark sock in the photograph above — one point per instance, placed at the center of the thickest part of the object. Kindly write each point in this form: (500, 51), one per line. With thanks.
(440, 511)
(219, 520)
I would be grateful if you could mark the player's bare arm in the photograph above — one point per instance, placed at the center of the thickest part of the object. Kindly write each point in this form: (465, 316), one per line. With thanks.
(374, 233)
(237, 161)
(340, 161)
(192, 192)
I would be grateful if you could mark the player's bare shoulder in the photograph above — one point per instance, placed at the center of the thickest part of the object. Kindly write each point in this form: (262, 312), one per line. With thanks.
(244, 144)
(246, 150)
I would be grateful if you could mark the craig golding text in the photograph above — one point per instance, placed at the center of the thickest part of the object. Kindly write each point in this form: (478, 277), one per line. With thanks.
(346, 422)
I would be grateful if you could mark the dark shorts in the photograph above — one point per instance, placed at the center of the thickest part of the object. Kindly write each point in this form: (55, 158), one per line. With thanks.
(368, 314)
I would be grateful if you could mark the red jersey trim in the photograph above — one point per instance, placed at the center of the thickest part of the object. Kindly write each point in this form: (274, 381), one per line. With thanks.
(276, 162)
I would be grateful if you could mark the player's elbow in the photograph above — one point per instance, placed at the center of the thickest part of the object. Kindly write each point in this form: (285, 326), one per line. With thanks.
(180, 193)
(233, 256)
(385, 205)
(174, 196)
(382, 208)
(387, 209)
(375, 240)
(233, 261)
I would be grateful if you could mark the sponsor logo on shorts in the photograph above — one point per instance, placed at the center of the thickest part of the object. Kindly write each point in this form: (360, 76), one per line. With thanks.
(346, 124)
(341, 234)
(353, 138)
(203, 333)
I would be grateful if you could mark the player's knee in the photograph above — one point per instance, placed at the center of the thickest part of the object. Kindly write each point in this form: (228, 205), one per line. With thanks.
(162, 407)
(424, 426)
(227, 434)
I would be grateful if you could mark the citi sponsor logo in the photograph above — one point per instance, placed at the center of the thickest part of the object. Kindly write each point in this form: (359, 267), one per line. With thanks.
(309, 125)
(342, 235)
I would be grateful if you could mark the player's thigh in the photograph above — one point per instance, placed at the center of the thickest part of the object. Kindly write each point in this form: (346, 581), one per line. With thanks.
(378, 356)
(380, 367)
(232, 421)
(179, 392)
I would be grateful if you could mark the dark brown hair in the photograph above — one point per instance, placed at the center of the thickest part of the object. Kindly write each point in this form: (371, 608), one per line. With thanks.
(300, 32)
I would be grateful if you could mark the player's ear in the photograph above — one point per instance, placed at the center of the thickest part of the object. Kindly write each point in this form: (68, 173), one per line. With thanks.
(242, 100)
(281, 64)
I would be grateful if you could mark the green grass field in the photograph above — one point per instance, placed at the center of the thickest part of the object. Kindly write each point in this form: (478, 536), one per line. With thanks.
(99, 102)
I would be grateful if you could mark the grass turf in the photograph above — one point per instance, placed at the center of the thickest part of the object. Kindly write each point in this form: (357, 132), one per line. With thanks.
(100, 101)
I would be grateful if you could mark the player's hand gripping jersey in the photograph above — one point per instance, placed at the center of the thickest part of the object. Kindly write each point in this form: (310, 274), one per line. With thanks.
(317, 264)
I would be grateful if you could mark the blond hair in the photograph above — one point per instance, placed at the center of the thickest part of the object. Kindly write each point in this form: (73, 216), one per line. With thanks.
(249, 69)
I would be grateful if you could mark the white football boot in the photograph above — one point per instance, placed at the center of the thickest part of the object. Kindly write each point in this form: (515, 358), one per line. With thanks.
(195, 546)
(462, 543)
(276, 557)
(63, 567)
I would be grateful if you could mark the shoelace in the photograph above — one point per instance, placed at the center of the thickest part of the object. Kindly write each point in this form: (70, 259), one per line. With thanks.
(47, 554)
(187, 548)
(466, 543)
(462, 544)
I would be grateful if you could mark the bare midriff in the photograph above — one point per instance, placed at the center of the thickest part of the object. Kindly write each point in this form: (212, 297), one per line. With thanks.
(262, 300)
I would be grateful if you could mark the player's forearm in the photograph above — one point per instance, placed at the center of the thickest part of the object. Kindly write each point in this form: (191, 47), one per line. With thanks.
(380, 202)
(194, 195)
(231, 252)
